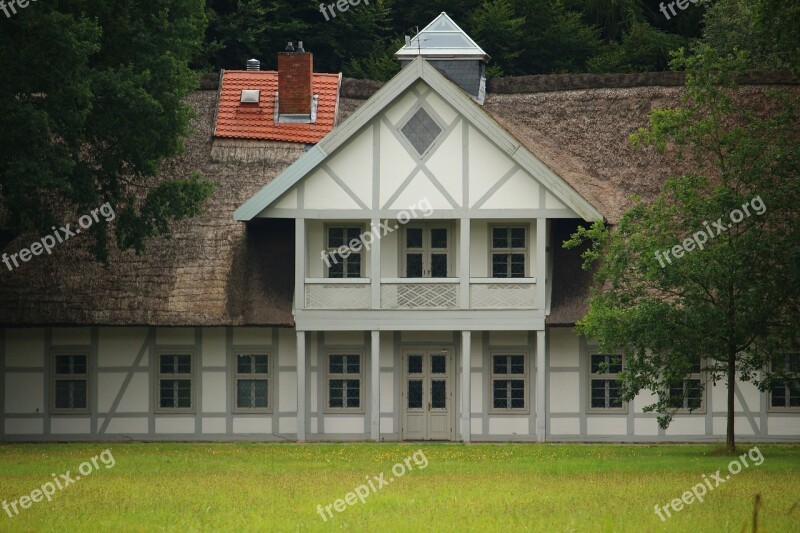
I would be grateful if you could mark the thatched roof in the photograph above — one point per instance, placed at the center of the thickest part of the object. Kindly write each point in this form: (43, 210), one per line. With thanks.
(215, 271)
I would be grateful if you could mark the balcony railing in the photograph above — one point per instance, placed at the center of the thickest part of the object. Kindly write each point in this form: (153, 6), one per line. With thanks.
(421, 294)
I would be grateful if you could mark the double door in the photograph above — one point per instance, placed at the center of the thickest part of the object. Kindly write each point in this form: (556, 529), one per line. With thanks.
(427, 394)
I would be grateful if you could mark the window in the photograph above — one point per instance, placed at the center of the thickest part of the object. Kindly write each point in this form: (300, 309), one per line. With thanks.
(421, 131)
(509, 251)
(509, 383)
(251, 383)
(339, 239)
(175, 382)
(426, 251)
(344, 382)
(785, 393)
(688, 394)
(604, 385)
(71, 383)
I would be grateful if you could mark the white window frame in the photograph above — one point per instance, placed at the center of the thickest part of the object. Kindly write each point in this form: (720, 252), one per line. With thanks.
(176, 376)
(524, 377)
(252, 376)
(333, 253)
(362, 393)
(694, 376)
(607, 376)
(56, 377)
(784, 409)
(426, 249)
(508, 251)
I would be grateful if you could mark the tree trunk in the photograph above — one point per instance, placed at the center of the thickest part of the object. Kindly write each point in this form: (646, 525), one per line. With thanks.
(730, 440)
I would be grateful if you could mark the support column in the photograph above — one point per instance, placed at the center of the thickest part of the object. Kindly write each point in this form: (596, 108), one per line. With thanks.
(375, 268)
(375, 388)
(541, 387)
(301, 386)
(464, 240)
(541, 263)
(466, 393)
(299, 263)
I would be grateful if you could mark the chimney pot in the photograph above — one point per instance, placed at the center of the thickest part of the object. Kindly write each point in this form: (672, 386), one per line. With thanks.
(290, 47)
(300, 48)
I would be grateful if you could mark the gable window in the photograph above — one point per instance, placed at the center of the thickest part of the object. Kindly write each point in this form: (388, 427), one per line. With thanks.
(175, 382)
(343, 261)
(509, 383)
(252, 382)
(421, 131)
(426, 251)
(688, 394)
(604, 383)
(785, 394)
(344, 382)
(509, 251)
(71, 383)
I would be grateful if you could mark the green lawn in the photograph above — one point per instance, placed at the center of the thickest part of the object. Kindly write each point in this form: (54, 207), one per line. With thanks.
(510, 487)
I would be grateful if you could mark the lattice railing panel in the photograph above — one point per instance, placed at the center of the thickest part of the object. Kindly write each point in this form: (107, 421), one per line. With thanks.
(337, 296)
(503, 296)
(419, 296)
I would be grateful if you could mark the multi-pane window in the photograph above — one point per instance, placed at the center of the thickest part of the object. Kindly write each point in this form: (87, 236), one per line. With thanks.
(688, 394)
(426, 252)
(508, 382)
(421, 131)
(344, 382)
(71, 382)
(175, 382)
(786, 392)
(604, 383)
(252, 385)
(509, 252)
(347, 265)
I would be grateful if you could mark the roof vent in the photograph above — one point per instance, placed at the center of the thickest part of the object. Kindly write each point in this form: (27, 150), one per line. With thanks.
(250, 96)
(253, 64)
(300, 48)
(289, 47)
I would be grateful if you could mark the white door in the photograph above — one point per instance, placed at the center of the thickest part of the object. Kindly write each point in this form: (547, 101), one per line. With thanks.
(427, 395)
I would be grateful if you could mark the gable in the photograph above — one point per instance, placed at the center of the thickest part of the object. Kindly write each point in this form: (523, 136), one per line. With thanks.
(418, 138)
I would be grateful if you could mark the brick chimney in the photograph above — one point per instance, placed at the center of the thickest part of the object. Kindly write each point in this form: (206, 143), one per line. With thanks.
(295, 75)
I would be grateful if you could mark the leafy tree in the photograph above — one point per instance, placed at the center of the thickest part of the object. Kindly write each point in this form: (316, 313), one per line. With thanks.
(643, 49)
(769, 30)
(732, 303)
(91, 103)
(499, 32)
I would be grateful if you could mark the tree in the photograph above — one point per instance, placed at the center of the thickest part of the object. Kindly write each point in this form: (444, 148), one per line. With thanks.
(709, 272)
(91, 103)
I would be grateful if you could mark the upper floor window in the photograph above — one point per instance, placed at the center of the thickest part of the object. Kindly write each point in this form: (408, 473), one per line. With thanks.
(688, 394)
(426, 251)
(509, 251)
(71, 383)
(344, 259)
(604, 385)
(785, 393)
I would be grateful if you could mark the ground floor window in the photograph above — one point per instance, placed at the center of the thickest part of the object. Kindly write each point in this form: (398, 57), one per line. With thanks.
(688, 394)
(71, 382)
(509, 382)
(604, 384)
(785, 393)
(344, 382)
(175, 382)
(252, 382)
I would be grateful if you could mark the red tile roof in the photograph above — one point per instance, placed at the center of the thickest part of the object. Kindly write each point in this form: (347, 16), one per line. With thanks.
(250, 121)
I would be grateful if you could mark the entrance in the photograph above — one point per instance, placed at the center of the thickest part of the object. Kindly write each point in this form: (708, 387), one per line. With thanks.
(427, 394)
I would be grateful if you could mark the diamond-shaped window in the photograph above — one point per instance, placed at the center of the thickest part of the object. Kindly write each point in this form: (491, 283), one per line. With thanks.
(421, 131)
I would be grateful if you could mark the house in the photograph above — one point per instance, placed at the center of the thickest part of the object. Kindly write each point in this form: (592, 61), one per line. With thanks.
(386, 268)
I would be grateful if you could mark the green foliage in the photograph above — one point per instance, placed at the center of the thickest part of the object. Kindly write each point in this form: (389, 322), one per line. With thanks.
(92, 103)
(768, 30)
(643, 49)
(734, 303)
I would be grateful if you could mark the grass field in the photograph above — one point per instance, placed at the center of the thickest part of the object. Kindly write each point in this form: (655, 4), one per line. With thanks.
(510, 487)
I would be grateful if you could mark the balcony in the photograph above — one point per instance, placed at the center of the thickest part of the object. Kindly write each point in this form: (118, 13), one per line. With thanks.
(421, 294)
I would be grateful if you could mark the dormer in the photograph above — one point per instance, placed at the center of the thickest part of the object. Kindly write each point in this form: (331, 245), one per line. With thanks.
(452, 52)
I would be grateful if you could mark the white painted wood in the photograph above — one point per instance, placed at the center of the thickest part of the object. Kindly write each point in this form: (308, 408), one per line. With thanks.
(300, 265)
(214, 426)
(520, 191)
(487, 164)
(353, 165)
(214, 350)
(175, 336)
(509, 426)
(118, 347)
(24, 426)
(540, 389)
(322, 192)
(375, 386)
(252, 336)
(70, 426)
(215, 388)
(565, 426)
(610, 425)
(466, 385)
(251, 425)
(72, 336)
(301, 386)
(24, 393)
(175, 424)
(133, 426)
(287, 201)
